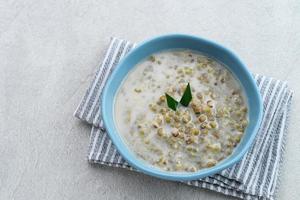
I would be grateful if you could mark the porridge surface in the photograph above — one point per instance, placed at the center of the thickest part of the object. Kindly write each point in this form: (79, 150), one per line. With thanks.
(191, 138)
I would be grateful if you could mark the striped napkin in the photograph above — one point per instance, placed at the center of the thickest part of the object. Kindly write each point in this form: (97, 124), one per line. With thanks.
(256, 176)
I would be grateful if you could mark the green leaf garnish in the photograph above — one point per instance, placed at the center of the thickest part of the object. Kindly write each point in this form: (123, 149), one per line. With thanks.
(172, 103)
(185, 99)
(187, 96)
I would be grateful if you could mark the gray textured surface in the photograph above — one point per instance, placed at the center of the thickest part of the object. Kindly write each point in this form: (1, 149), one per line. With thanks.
(49, 51)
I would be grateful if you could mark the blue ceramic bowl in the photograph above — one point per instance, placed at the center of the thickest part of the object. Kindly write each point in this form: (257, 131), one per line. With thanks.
(204, 46)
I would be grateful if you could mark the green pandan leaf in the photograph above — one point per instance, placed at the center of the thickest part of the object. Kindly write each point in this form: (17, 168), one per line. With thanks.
(172, 103)
(187, 96)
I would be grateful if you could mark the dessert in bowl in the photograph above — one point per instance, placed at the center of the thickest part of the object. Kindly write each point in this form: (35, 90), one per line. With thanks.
(179, 107)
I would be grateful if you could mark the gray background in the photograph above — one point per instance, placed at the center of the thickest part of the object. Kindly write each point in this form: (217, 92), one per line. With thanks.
(49, 51)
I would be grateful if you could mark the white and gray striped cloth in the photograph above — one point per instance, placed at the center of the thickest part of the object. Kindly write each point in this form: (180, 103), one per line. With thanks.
(256, 176)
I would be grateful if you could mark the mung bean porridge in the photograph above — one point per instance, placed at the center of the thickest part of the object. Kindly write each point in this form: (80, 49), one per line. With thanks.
(176, 135)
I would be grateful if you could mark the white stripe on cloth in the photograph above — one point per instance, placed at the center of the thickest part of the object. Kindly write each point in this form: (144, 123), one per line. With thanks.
(262, 161)
(251, 160)
(263, 147)
(100, 147)
(103, 81)
(97, 117)
(94, 140)
(245, 175)
(97, 76)
(285, 119)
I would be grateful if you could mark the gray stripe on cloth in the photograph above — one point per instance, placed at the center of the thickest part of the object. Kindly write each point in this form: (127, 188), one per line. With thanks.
(256, 176)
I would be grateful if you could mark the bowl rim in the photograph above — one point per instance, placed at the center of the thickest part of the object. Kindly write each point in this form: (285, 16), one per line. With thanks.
(147, 168)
